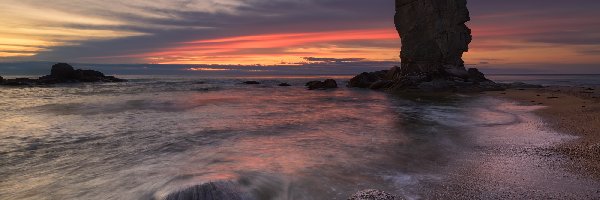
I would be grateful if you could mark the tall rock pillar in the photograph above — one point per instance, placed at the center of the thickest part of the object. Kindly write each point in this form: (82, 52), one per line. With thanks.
(434, 37)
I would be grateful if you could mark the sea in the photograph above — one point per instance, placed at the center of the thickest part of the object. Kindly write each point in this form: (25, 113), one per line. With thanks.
(156, 135)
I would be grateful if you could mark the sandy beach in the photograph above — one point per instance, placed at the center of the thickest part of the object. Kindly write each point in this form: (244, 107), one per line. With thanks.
(569, 110)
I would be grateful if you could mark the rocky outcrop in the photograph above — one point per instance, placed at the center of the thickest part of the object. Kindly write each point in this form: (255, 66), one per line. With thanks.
(374, 80)
(434, 38)
(373, 195)
(63, 73)
(327, 84)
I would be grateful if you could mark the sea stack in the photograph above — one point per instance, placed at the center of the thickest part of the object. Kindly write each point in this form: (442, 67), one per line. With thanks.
(434, 38)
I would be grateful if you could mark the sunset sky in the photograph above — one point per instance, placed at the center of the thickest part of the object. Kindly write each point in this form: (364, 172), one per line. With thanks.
(543, 35)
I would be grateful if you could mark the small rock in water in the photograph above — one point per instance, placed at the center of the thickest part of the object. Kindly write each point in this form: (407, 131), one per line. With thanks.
(251, 82)
(284, 84)
(327, 84)
(372, 194)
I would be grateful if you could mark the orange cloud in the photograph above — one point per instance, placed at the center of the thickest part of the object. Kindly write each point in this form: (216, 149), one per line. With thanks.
(268, 49)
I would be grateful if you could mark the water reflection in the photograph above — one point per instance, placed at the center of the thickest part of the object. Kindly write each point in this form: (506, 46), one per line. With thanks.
(149, 137)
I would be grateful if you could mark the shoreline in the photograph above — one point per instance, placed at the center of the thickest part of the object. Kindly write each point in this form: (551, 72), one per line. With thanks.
(572, 111)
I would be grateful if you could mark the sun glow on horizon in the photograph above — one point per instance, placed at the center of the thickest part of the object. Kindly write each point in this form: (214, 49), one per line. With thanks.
(281, 48)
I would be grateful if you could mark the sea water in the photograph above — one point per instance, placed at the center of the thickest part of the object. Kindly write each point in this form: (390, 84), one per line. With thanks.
(155, 135)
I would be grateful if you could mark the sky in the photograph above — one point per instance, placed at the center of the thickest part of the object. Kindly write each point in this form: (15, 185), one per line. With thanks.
(537, 36)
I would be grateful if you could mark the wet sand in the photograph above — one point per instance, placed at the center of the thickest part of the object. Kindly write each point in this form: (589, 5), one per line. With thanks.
(570, 110)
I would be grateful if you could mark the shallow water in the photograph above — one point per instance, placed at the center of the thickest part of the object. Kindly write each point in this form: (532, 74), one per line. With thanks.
(152, 136)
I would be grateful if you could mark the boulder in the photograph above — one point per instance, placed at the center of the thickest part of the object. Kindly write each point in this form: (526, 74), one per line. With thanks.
(224, 190)
(330, 83)
(372, 194)
(327, 84)
(62, 71)
(375, 80)
(366, 79)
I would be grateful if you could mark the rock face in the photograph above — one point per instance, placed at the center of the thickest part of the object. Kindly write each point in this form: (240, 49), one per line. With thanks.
(434, 38)
(434, 34)
(63, 73)
(373, 195)
(327, 84)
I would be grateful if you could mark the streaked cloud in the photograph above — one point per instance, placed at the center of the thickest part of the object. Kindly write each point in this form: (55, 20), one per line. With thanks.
(507, 33)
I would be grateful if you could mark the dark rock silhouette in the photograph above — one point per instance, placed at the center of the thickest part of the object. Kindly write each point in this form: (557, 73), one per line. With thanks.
(285, 85)
(373, 195)
(327, 84)
(251, 82)
(434, 38)
(224, 190)
(63, 73)
(1, 79)
(374, 80)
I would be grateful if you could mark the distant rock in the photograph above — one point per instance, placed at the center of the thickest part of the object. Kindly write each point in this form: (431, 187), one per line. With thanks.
(373, 195)
(63, 73)
(327, 84)
(251, 82)
(517, 85)
(285, 85)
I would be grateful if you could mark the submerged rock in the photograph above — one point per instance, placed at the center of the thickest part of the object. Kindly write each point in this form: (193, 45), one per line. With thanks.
(521, 85)
(224, 190)
(251, 82)
(327, 84)
(373, 195)
(63, 73)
